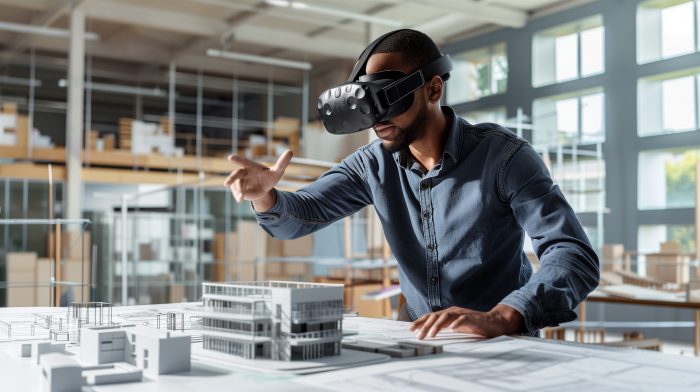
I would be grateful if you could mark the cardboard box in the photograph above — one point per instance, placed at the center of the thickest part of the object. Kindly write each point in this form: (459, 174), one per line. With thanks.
(275, 247)
(146, 252)
(22, 131)
(77, 272)
(670, 247)
(300, 247)
(177, 292)
(367, 308)
(21, 278)
(252, 241)
(9, 108)
(613, 256)
(252, 251)
(92, 139)
(108, 142)
(72, 245)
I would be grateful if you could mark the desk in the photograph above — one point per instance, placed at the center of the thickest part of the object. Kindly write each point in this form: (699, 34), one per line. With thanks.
(604, 298)
(501, 364)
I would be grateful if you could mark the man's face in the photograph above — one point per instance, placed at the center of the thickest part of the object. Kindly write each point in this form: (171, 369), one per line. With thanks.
(398, 132)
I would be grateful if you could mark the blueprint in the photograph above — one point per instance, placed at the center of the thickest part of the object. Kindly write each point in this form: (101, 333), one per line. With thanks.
(520, 364)
(468, 363)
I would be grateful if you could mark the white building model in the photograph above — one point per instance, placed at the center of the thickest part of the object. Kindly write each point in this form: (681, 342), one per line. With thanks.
(276, 320)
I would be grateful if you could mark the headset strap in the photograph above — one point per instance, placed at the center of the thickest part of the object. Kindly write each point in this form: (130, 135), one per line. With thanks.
(410, 83)
(359, 68)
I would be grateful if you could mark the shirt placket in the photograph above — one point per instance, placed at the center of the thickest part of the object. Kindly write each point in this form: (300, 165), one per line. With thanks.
(431, 248)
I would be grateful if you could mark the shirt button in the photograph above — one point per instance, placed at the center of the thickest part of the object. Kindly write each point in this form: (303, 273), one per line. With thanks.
(424, 185)
(431, 246)
(426, 215)
(433, 279)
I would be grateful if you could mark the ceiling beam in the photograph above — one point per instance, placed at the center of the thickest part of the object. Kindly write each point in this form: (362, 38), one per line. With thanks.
(297, 41)
(137, 53)
(45, 19)
(153, 18)
(476, 10)
(28, 4)
(444, 26)
(194, 25)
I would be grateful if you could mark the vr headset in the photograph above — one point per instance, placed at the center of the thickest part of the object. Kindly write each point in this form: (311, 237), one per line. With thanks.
(368, 99)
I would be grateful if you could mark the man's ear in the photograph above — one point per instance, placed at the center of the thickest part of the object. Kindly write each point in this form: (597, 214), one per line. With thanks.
(436, 88)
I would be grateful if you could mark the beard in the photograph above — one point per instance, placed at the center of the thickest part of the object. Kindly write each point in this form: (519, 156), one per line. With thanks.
(405, 136)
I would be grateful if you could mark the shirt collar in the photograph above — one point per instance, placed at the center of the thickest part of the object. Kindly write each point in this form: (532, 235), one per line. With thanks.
(453, 145)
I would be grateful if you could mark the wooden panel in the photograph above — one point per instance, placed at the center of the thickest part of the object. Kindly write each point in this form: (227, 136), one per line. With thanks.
(21, 271)
(22, 132)
(13, 152)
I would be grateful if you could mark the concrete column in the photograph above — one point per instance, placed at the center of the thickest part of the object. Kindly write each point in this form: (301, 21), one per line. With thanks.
(74, 117)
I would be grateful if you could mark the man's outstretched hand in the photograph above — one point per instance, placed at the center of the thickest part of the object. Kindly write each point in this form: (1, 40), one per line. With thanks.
(254, 181)
(501, 320)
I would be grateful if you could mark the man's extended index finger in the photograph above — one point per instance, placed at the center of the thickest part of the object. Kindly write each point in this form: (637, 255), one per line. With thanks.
(244, 162)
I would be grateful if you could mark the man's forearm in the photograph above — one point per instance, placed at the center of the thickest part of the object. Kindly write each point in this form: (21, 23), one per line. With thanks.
(266, 202)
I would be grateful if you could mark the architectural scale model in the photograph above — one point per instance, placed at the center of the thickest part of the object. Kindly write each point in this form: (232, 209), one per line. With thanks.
(275, 320)
(110, 355)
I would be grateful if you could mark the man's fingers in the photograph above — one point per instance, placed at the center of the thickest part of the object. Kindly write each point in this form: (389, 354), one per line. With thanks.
(241, 191)
(283, 161)
(474, 325)
(244, 162)
(445, 319)
(235, 175)
(427, 325)
(418, 322)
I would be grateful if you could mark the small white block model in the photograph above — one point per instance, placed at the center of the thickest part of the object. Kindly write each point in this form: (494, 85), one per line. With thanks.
(60, 373)
(42, 348)
(112, 374)
(277, 320)
(24, 349)
(151, 350)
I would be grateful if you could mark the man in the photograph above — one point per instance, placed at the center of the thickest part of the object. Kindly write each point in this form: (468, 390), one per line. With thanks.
(454, 200)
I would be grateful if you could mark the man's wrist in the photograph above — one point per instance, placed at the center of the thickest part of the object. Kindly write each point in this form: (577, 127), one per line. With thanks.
(510, 318)
(266, 202)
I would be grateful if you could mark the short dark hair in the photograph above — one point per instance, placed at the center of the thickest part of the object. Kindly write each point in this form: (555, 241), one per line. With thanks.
(416, 47)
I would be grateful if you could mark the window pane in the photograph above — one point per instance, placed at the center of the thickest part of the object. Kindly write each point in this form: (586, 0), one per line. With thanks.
(678, 97)
(592, 118)
(478, 73)
(499, 65)
(677, 25)
(458, 86)
(567, 116)
(566, 52)
(592, 51)
(666, 179)
(581, 180)
(480, 116)
(650, 237)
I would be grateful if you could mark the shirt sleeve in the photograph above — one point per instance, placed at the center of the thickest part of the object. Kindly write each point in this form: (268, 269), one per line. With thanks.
(569, 268)
(339, 192)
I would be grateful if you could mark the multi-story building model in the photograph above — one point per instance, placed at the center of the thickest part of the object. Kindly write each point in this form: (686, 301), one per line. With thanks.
(275, 320)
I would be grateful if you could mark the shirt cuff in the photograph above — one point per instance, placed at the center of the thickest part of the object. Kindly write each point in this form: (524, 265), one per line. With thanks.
(528, 306)
(275, 213)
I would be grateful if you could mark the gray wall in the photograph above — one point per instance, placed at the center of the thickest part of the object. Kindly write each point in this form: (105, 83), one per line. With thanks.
(622, 145)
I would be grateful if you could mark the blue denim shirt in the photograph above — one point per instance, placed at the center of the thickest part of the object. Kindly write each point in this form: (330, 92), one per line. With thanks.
(457, 231)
